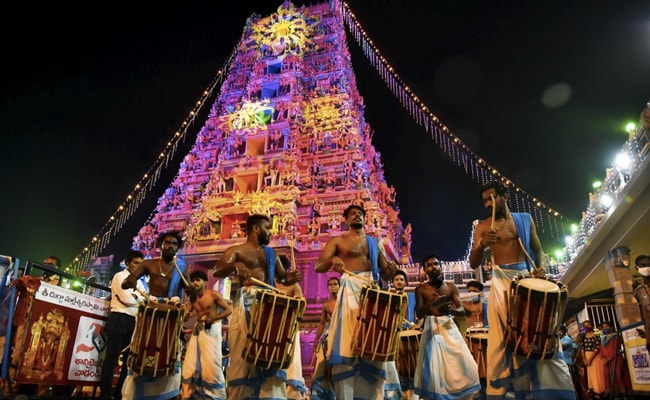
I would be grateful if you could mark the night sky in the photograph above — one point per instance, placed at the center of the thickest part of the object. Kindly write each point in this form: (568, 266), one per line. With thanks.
(541, 90)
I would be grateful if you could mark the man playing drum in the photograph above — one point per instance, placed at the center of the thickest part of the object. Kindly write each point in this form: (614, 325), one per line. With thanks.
(165, 286)
(445, 367)
(512, 239)
(363, 260)
(255, 264)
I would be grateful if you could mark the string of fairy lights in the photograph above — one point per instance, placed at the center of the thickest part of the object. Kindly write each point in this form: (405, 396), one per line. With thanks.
(546, 218)
(133, 200)
(628, 162)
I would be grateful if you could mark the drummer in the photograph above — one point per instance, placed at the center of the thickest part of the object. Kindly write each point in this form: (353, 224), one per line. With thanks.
(167, 278)
(254, 263)
(363, 260)
(513, 241)
(442, 346)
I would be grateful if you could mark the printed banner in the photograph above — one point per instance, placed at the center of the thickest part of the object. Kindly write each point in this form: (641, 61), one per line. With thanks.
(637, 356)
(64, 338)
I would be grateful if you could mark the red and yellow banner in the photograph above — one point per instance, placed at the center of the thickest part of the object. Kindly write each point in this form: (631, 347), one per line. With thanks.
(63, 337)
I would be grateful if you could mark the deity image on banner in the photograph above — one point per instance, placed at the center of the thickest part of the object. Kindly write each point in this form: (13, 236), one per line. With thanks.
(45, 355)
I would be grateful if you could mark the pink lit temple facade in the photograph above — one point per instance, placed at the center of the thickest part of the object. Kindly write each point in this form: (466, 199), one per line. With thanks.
(287, 138)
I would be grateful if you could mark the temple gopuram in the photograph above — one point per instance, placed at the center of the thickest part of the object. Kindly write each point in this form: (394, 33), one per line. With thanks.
(286, 138)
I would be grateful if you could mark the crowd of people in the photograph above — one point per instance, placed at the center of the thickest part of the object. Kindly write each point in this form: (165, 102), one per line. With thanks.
(433, 325)
(596, 363)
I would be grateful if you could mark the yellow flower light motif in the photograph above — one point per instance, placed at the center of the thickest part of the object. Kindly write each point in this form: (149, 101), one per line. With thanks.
(283, 32)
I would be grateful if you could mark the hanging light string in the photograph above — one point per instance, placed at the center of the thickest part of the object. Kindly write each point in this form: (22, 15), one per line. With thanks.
(459, 152)
(133, 200)
(547, 219)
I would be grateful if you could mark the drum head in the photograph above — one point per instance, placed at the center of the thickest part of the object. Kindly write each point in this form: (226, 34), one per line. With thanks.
(476, 333)
(540, 285)
(409, 334)
(376, 295)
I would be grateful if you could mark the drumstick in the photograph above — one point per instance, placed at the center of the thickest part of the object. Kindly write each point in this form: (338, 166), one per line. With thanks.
(266, 285)
(179, 272)
(142, 292)
(494, 211)
(530, 260)
(347, 271)
(467, 296)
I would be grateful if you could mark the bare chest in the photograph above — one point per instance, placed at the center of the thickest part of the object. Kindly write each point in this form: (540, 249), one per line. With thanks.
(329, 308)
(430, 293)
(255, 260)
(205, 302)
(506, 229)
(354, 247)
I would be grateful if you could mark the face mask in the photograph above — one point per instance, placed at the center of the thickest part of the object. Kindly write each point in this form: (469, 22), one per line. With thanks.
(606, 331)
(588, 328)
(645, 271)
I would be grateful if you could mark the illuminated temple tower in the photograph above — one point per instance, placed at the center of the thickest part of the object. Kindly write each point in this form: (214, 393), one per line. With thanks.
(286, 137)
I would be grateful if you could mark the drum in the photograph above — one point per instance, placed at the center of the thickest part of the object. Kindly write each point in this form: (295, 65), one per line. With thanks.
(409, 346)
(272, 329)
(376, 332)
(155, 345)
(477, 339)
(536, 310)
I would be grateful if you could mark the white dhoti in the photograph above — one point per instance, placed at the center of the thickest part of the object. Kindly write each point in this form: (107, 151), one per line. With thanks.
(246, 381)
(445, 368)
(392, 386)
(295, 380)
(529, 378)
(202, 373)
(140, 387)
(353, 377)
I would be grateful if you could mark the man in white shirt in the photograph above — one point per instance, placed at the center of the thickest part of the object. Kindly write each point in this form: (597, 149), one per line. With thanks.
(120, 325)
